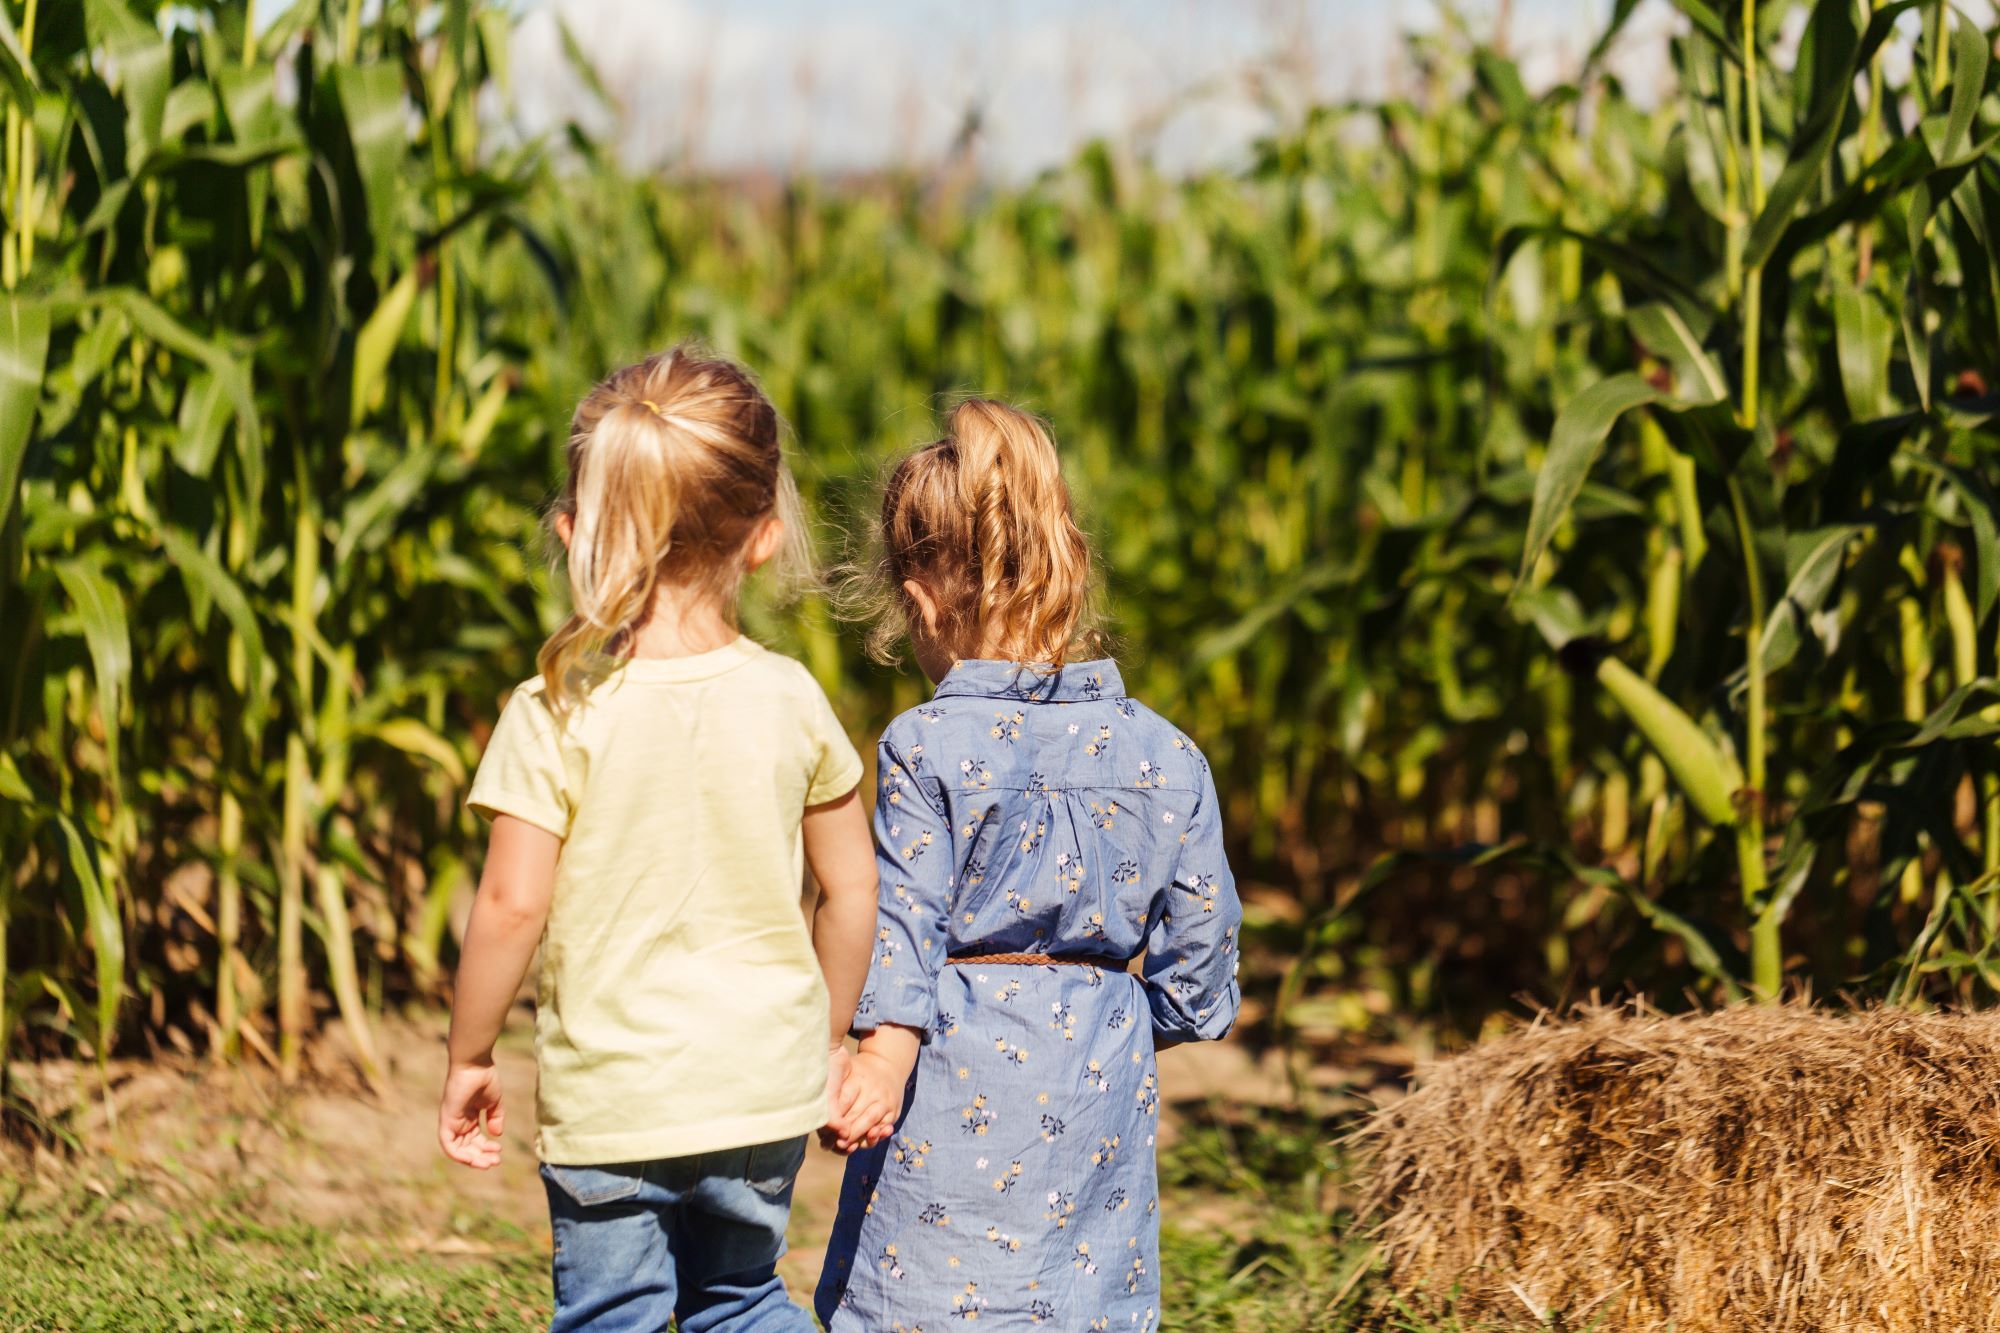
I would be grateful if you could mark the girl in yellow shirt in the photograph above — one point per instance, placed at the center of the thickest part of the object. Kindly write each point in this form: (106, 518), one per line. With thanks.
(655, 795)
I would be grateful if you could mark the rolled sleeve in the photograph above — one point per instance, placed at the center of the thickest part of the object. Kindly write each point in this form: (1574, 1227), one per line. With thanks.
(913, 858)
(1191, 951)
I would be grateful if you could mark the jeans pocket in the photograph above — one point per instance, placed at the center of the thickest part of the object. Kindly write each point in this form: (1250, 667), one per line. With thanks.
(594, 1186)
(773, 1166)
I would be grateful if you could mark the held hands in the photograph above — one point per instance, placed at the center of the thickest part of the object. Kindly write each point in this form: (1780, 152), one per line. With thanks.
(867, 1101)
(471, 1091)
(866, 1094)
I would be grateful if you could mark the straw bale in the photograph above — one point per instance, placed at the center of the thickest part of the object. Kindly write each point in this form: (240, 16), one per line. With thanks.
(1784, 1169)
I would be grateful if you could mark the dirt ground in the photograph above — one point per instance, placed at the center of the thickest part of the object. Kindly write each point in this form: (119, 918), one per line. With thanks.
(168, 1133)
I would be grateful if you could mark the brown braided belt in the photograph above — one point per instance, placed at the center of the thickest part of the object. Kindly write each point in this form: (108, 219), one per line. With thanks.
(1039, 960)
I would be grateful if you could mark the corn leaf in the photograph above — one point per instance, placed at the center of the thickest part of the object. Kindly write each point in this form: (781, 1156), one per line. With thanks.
(15, 67)
(1841, 55)
(107, 933)
(1816, 563)
(144, 61)
(364, 521)
(1982, 511)
(206, 577)
(1864, 334)
(100, 610)
(413, 737)
(377, 340)
(1663, 329)
(13, 786)
(1970, 55)
(24, 350)
(1573, 447)
(371, 98)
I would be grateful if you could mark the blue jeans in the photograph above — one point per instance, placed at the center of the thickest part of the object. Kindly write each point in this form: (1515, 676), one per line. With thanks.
(694, 1238)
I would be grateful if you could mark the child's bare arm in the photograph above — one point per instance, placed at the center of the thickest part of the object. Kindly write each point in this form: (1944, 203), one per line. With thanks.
(507, 919)
(841, 853)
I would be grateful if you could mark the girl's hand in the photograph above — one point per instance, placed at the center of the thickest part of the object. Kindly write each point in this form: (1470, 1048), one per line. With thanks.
(881, 1130)
(470, 1093)
(870, 1099)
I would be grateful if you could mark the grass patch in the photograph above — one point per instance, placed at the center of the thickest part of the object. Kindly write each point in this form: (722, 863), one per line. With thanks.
(1253, 1235)
(71, 1265)
(1257, 1234)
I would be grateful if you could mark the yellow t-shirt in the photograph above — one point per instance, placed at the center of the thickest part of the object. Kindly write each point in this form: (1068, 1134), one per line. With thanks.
(680, 1006)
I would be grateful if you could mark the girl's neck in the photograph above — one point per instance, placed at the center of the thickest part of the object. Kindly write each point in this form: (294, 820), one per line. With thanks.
(680, 626)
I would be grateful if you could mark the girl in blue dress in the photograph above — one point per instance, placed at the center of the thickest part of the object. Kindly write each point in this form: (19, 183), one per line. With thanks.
(1037, 830)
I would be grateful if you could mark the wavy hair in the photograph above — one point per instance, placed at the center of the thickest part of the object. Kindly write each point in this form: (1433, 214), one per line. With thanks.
(982, 518)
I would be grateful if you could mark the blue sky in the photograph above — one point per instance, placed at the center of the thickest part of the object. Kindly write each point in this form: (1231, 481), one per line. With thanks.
(817, 85)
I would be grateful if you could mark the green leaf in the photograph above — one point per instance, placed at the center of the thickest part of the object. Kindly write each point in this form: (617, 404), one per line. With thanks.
(1628, 262)
(232, 376)
(484, 416)
(145, 70)
(250, 105)
(107, 934)
(1666, 333)
(13, 786)
(581, 65)
(205, 573)
(1621, 14)
(1573, 447)
(371, 98)
(15, 67)
(1816, 137)
(205, 411)
(1970, 56)
(1817, 563)
(1863, 334)
(390, 496)
(1711, 25)
(496, 41)
(1228, 640)
(1502, 79)
(413, 737)
(24, 351)
(101, 611)
(1982, 510)
(377, 341)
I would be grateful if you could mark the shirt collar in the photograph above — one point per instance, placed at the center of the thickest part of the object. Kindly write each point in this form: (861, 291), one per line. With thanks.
(1076, 682)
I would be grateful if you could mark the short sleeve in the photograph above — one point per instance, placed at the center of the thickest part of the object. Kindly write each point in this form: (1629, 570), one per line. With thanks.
(522, 773)
(836, 765)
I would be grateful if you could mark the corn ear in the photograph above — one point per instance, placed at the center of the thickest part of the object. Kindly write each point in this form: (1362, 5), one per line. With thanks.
(1708, 775)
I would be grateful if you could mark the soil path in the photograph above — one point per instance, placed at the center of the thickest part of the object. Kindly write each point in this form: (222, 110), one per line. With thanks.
(173, 1132)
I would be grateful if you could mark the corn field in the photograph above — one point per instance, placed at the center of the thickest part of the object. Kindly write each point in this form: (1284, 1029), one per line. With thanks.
(1566, 525)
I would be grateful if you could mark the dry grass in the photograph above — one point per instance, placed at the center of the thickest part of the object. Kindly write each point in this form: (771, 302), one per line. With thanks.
(1776, 1169)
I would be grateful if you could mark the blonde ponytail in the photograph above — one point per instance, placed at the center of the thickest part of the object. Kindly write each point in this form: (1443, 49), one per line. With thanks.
(983, 519)
(673, 463)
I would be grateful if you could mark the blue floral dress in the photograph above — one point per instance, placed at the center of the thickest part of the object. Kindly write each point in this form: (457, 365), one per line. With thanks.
(1047, 813)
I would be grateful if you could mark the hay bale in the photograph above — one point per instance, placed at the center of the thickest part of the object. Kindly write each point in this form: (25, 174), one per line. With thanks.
(1771, 1168)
